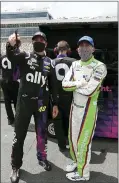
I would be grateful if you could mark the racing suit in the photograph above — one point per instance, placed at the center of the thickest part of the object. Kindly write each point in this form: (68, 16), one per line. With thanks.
(84, 79)
(62, 65)
(10, 85)
(37, 77)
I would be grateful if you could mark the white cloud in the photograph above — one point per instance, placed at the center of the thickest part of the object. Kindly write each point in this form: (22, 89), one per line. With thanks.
(65, 9)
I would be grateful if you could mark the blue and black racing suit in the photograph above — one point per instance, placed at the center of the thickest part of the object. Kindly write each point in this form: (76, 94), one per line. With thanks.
(37, 81)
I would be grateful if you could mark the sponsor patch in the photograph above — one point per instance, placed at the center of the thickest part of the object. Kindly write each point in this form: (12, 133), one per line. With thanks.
(89, 67)
(29, 62)
(34, 60)
(98, 72)
(77, 67)
(34, 64)
(42, 109)
(97, 79)
(47, 67)
(85, 76)
(46, 70)
(46, 63)
(98, 75)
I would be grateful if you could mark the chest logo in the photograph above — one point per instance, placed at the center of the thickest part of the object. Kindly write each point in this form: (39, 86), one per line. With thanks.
(36, 78)
(32, 63)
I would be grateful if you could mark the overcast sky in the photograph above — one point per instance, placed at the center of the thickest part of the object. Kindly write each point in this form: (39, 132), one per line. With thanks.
(65, 9)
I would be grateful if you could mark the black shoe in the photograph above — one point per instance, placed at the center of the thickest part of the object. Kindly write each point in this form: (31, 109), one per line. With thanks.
(10, 122)
(14, 176)
(46, 165)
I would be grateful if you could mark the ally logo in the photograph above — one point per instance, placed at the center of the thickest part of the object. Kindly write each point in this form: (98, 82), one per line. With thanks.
(35, 78)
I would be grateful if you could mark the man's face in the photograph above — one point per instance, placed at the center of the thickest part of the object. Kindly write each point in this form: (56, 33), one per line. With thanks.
(39, 44)
(85, 50)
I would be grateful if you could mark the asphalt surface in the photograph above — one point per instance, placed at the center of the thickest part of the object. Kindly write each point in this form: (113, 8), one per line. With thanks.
(103, 163)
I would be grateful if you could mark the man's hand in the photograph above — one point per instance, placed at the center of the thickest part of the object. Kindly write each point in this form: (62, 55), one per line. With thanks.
(12, 39)
(55, 111)
(81, 83)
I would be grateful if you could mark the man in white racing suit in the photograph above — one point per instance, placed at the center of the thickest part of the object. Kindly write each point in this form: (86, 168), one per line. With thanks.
(84, 79)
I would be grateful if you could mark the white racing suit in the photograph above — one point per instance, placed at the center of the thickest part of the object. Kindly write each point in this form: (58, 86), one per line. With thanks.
(84, 79)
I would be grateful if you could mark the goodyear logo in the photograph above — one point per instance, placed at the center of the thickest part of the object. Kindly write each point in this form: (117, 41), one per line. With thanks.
(42, 109)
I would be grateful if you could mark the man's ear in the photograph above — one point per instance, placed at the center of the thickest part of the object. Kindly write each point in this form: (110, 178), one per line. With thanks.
(93, 49)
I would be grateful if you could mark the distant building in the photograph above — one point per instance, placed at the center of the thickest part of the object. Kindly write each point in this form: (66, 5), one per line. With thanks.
(27, 23)
(13, 20)
(30, 14)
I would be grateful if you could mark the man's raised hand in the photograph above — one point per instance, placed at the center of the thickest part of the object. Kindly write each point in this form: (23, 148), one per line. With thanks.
(12, 39)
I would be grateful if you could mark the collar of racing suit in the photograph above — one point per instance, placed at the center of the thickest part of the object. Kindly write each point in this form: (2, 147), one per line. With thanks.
(61, 55)
(87, 62)
(40, 56)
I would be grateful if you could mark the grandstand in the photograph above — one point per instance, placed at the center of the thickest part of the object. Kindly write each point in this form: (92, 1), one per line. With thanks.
(29, 14)
(10, 21)
(28, 23)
